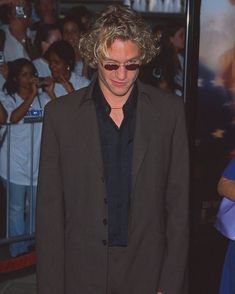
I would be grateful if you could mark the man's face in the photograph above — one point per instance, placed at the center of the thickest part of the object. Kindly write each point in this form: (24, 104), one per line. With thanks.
(119, 83)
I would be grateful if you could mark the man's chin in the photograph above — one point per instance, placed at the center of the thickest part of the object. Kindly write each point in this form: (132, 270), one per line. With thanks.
(120, 92)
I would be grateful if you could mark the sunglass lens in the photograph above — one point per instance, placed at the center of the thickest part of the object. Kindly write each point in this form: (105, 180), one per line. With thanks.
(111, 66)
(132, 66)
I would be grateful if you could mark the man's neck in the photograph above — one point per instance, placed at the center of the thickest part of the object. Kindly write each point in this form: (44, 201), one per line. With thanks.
(115, 101)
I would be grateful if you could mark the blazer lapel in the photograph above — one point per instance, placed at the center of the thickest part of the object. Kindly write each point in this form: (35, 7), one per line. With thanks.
(146, 121)
(88, 130)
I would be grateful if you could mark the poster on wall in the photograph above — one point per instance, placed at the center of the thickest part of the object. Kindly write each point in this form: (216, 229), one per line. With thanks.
(215, 132)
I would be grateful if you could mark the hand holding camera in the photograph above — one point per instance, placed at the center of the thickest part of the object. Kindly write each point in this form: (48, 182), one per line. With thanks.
(47, 84)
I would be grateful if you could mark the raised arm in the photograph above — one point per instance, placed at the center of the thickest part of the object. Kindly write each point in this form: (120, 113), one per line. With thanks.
(20, 111)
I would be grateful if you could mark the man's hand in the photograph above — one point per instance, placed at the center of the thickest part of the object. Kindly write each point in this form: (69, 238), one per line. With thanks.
(160, 293)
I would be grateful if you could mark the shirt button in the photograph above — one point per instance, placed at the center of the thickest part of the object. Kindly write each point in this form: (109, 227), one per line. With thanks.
(103, 179)
(105, 200)
(104, 242)
(105, 221)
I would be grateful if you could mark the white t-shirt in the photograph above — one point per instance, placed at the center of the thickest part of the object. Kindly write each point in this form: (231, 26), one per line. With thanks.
(24, 139)
(78, 68)
(77, 81)
(13, 49)
(42, 67)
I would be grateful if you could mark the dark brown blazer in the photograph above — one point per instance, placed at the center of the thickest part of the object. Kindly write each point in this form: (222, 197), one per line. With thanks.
(71, 237)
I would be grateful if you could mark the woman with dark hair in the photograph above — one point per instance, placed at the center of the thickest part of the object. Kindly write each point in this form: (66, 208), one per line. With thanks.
(175, 39)
(72, 30)
(166, 70)
(46, 35)
(24, 106)
(61, 58)
(83, 14)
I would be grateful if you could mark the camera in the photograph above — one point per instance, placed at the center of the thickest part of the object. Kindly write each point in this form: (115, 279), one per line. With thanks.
(2, 59)
(20, 11)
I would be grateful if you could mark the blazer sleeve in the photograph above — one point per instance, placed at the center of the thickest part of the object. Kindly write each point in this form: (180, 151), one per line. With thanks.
(173, 275)
(50, 212)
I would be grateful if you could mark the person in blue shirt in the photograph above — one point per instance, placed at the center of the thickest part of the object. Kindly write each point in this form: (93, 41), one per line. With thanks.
(226, 188)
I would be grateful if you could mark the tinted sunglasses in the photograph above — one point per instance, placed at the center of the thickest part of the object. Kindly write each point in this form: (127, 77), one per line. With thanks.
(114, 66)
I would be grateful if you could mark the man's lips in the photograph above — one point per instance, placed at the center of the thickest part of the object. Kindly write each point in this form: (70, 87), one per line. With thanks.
(119, 84)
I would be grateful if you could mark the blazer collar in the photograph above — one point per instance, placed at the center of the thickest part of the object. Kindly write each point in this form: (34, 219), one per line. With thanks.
(146, 120)
(87, 127)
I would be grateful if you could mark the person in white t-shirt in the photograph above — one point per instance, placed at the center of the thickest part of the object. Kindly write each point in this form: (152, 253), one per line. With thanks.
(19, 153)
(61, 58)
(72, 30)
(46, 35)
(19, 39)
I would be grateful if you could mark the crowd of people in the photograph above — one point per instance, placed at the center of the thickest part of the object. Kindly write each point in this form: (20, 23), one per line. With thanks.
(39, 61)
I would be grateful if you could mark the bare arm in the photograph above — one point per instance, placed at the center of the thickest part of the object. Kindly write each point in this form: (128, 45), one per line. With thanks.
(226, 187)
(20, 111)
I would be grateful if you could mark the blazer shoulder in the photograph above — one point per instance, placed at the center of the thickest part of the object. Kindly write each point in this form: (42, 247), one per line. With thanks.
(159, 98)
(69, 101)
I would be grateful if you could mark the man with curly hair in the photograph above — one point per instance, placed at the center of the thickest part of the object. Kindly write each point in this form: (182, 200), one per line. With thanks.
(112, 210)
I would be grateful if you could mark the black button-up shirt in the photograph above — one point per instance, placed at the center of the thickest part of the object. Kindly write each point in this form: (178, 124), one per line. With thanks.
(117, 150)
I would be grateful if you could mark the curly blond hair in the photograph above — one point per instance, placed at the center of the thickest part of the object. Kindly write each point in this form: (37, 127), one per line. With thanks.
(117, 22)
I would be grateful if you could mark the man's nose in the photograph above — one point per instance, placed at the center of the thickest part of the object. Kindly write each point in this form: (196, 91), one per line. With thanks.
(121, 72)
